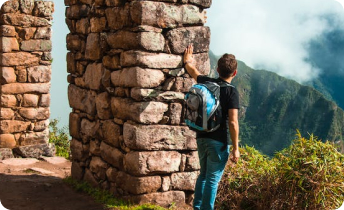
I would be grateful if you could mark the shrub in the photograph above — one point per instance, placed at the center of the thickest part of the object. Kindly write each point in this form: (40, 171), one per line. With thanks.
(59, 137)
(307, 175)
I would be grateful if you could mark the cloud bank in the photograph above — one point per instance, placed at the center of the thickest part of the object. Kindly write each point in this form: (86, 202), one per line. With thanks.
(274, 35)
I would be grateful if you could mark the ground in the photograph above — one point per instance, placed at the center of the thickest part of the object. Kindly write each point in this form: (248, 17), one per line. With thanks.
(31, 184)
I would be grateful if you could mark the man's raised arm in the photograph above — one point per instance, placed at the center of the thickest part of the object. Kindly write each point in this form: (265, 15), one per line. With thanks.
(189, 63)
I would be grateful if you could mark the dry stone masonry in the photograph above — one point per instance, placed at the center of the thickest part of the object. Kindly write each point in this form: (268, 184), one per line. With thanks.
(127, 85)
(25, 50)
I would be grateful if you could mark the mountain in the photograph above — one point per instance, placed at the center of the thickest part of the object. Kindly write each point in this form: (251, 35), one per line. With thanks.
(273, 108)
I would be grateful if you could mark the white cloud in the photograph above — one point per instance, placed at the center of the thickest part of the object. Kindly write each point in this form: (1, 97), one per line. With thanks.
(270, 34)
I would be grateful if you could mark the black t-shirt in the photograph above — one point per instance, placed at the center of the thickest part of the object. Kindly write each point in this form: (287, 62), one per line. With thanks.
(229, 99)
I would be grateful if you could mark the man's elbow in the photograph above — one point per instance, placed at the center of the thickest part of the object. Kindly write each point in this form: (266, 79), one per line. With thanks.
(233, 124)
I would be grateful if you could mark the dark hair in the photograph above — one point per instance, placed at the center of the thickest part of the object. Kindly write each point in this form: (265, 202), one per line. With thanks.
(227, 64)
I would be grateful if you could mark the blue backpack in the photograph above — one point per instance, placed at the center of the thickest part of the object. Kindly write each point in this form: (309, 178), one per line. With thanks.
(203, 109)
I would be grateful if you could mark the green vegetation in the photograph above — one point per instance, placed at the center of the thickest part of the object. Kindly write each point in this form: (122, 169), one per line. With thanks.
(306, 175)
(60, 138)
(106, 198)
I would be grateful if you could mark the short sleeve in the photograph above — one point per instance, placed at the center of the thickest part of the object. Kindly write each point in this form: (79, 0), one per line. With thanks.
(233, 100)
(202, 79)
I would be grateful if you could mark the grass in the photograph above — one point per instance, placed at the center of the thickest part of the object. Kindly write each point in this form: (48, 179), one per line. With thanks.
(107, 199)
(307, 175)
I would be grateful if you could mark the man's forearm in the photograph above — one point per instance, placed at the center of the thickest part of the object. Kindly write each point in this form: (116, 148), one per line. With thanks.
(234, 133)
(191, 69)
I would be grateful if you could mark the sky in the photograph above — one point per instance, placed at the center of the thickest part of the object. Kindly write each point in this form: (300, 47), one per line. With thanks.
(298, 39)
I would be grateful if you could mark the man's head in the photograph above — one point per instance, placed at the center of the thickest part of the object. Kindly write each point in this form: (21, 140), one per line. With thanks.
(227, 66)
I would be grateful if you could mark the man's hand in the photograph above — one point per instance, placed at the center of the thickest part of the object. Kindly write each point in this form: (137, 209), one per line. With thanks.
(235, 155)
(188, 57)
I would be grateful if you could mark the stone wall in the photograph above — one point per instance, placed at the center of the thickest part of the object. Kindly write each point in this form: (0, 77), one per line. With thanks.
(126, 89)
(25, 60)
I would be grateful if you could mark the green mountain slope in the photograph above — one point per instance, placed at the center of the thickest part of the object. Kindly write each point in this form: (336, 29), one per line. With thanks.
(274, 107)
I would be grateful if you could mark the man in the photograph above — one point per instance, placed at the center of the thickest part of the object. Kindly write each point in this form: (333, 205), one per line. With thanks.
(213, 149)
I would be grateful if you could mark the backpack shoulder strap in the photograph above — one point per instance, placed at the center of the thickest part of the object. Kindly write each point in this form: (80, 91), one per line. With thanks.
(225, 84)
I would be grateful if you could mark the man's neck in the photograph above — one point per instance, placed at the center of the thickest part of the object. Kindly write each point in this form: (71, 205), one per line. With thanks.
(229, 79)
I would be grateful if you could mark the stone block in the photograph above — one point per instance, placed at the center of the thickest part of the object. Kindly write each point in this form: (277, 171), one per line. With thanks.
(192, 161)
(8, 101)
(111, 174)
(41, 125)
(118, 17)
(103, 104)
(39, 74)
(127, 40)
(10, 7)
(36, 45)
(80, 152)
(180, 38)
(98, 24)
(43, 8)
(8, 75)
(35, 113)
(45, 100)
(35, 151)
(6, 114)
(6, 30)
(111, 155)
(111, 133)
(19, 59)
(182, 84)
(202, 3)
(162, 15)
(74, 125)
(98, 167)
(95, 147)
(184, 180)
(149, 163)
(26, 33)
(26, 6)
(138, 185)
(111, 62)
(82, 99)
(165, 199)
(140, 94)
(7, 141)
(89, 128)
(158, 137)
(150, 60)
(13, 126)
(21, 88)
(77, 171)
(77, 11)
(43, 33)
(89, 178)
(141, 112)
(74, 42)
(9, 44)
(30, 100)
(137, 77)
(34, 138)
(113, 3)
(203, 63)
(93, 75)
(22, 20)
(175, 113)
(6, 153)
(82, 26)
(166, 183)
(93, 51)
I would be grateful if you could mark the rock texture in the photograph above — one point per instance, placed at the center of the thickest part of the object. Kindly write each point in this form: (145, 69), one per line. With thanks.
(127, 85)
(25, 62)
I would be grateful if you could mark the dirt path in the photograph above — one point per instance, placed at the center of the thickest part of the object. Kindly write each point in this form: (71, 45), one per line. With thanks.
(29, 184)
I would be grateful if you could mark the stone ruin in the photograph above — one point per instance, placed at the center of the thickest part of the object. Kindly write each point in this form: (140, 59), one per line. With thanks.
(25, 61)
(127, 85)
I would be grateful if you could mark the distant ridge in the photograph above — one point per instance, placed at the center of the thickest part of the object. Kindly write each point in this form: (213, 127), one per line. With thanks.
(273, 108)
